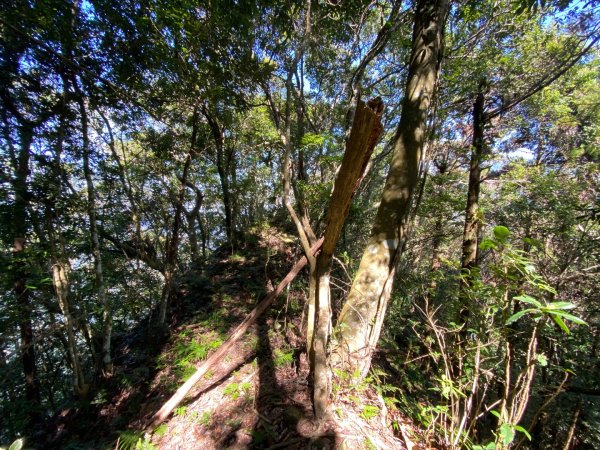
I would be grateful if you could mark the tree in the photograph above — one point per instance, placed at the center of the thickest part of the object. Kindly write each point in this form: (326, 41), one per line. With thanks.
(362, 316)
(23, 115)
(365, 132)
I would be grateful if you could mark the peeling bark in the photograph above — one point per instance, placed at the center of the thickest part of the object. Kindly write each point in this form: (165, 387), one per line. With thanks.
(365, 133)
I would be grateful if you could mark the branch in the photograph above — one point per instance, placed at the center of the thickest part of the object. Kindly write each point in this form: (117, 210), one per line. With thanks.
(545, 81)
(93, 75)
(134, 251)
(383, 36)
(218, 355)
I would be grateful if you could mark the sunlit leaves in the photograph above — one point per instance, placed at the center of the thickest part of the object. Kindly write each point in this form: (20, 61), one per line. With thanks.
(554, 310)
(501, 233)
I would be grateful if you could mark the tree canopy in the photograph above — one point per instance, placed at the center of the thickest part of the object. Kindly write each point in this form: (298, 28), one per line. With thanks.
(447, 154)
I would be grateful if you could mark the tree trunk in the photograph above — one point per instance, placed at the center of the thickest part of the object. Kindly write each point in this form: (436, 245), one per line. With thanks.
(223, 171)
(362, 316)
(61, 286)
(438, 228)
(301, 175)
(366, 130)
(469, 246)
(193, 219)
(225, 188)
(305, 232)
(302, 221)
(107, 366)
(173, 242)
(21, 273)
(60, 277)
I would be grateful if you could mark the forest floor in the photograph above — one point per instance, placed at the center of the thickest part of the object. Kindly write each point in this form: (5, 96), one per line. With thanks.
(259, 394)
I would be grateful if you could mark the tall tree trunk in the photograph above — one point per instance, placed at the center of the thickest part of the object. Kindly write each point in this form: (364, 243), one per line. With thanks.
(283, 123)
(468, 260)
(61, 286)
(60, 263)
(21, 272)
(193, 220)
(438, 228)
(106, 359)
(469, 245)
(301, 175)
(234, 194)
(305, 232)
(362, 316)
(225, 188)
(364, 135)
(223, 171)
(173, 243)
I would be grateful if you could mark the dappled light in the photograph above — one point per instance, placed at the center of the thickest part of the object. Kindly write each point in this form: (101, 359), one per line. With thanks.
(300, 225)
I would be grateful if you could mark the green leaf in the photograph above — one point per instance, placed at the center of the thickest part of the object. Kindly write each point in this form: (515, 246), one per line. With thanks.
(16, 445)
(489, 446)
(560, 305)
(560, 323)
(369, 411)
(528, 299)
(532, 242)
(507, 431)
(501, 233)
(495, 413)
(541, 359)
(312, 139)
(487, 244)
(523, 430)
(518, 315)
(568, 316)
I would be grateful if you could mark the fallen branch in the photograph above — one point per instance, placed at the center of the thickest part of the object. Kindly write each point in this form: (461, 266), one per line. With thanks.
(218, 355)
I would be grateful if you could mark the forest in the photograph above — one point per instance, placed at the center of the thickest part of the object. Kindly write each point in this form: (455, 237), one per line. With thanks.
(267, 224)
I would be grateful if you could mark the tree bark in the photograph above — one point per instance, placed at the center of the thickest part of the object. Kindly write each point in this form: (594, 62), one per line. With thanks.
(469, 245)
(106, 359)
(283, 123)
(366, 130)
(173, 243)
(193, 219)
(21, 273)
(305, 232)
(60, 268)
(362, 316)
(223, 171)
(61, 286)
(438, 228)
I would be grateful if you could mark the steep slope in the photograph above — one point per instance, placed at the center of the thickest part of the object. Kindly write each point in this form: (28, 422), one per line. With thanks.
(256, 397)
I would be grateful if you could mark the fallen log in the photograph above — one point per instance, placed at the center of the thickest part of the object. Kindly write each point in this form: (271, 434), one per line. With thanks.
(180, 394)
